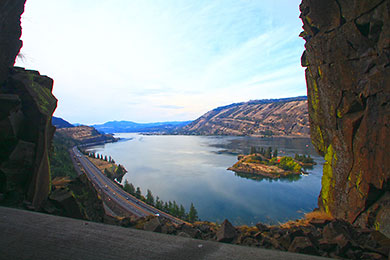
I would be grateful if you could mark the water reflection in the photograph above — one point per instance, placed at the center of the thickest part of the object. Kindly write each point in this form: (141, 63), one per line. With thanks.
(189, 169)
(289, 178)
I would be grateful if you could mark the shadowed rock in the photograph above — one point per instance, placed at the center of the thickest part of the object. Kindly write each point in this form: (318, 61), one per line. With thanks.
(226, 233)
(153, 225)
(348, 66)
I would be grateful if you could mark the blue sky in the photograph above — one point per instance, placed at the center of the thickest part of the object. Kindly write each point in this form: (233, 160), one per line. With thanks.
(162, 60)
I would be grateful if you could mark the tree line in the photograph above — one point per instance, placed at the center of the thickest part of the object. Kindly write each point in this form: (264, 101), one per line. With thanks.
(303, 158)
(116, 172)
(267, 153)
(169, 207)
(100, 157)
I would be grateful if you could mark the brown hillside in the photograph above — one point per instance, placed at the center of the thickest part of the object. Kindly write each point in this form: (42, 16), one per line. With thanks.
(85, 134)
(256, 118)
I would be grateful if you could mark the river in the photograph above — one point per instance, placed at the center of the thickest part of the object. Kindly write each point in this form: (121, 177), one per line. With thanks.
(189, 169)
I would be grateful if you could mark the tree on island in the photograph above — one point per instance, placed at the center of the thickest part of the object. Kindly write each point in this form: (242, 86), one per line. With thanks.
(275, 154)
(253, 150)
(288, 164)
(303, 158)
(268, 153)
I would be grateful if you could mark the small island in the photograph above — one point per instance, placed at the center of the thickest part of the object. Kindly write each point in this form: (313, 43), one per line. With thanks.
(267, 163)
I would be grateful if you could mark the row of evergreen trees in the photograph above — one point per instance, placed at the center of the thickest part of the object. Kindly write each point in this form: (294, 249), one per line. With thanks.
(303, 158)
(267, 153)
(101, 157)
(169, 207)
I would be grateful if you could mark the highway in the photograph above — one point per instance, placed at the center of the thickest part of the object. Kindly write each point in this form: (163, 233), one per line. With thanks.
(117, 195)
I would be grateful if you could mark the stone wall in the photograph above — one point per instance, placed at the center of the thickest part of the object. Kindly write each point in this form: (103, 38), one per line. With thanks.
(348, 80)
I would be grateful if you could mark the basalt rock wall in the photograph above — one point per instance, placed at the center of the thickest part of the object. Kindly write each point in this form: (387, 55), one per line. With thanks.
(26, 108)
(348, 80)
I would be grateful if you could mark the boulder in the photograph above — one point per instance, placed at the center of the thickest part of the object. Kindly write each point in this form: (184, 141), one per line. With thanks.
(153, 225)
(303, 245)
(262, 227)
(226, 233)
(66, 203)
(320, 223)
(337, 227)
(190, 230)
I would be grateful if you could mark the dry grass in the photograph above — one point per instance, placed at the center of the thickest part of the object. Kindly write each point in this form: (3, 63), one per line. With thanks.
(102, 165)
(318, 215)
(245, 229)
(307, 218)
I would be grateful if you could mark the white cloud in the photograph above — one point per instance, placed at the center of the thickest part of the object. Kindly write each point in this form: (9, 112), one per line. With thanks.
(162, 60)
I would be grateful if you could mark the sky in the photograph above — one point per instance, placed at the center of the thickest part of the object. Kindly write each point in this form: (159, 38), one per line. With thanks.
(162, 60)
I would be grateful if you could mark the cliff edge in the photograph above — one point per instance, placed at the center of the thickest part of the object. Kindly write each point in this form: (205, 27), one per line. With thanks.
(348, 66)
(26, 108)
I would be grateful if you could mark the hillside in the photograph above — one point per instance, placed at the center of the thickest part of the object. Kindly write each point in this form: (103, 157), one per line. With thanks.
(271, 117)
(85, 135)
(128, 126)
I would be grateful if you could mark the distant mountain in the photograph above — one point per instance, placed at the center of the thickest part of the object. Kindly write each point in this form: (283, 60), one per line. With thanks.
(60, 123)
(268, 117)
(128, 126)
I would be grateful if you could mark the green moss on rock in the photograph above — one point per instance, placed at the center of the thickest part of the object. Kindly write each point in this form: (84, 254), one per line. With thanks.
(328, 179)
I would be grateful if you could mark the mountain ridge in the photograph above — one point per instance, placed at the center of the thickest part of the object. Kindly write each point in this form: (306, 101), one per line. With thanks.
(130, 126)
(265, 117)
(59, 122)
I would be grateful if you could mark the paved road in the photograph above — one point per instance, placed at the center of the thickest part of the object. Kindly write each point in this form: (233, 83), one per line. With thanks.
(116, 194)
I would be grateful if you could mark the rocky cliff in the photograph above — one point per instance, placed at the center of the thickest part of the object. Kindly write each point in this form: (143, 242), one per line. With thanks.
(348, 66)
(26, 108)
(279, 117)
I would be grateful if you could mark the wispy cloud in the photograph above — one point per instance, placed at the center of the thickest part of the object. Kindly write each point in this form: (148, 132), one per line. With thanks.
(146, 60)
(171, 107)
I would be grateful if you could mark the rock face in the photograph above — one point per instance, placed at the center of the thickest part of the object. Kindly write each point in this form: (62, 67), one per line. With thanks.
(10, 32)
(26, 108)
(348, 66)
(280, 117)
(77, 199)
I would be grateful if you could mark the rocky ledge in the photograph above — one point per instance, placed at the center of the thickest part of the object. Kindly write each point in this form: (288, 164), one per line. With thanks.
(315, 236)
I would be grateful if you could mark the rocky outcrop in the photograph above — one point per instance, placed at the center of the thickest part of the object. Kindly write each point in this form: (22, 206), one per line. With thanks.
(278, 117)
(348, 66)
(26, 108)
(76, 199)
(316, 236)
(26, 105)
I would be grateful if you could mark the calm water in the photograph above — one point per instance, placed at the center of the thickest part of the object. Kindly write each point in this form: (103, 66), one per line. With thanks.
(193, 169)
